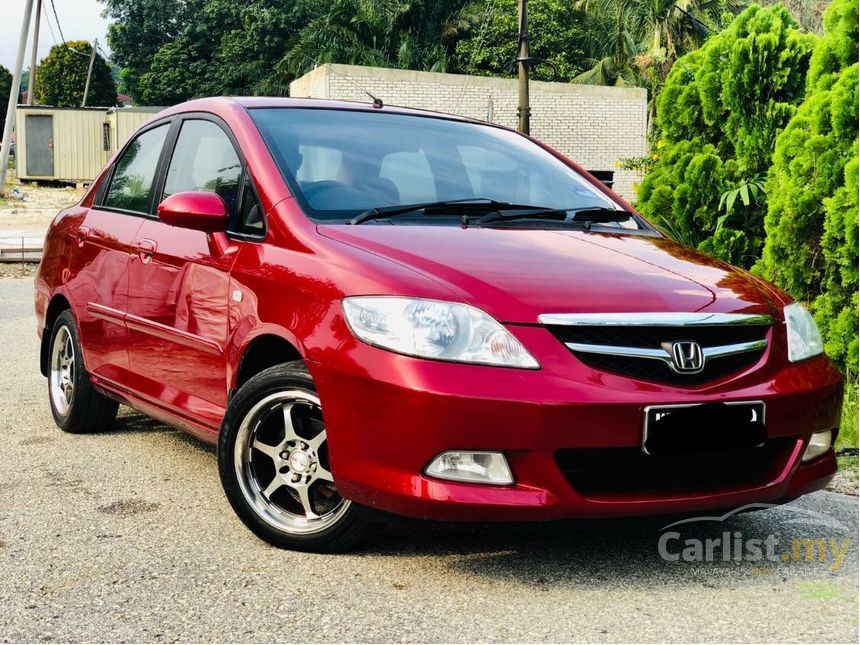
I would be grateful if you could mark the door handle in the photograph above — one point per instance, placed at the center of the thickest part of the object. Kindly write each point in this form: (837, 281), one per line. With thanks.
(145, 249)
(81, 234)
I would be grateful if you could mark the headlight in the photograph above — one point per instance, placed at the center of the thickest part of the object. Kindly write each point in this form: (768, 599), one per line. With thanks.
(446, 331)
(804, 339)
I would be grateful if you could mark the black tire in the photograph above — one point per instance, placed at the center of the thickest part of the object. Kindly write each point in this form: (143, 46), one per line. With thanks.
(86, 409)
(348, 529)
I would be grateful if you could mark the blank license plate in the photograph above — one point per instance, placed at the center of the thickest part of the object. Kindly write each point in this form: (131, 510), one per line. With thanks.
(705, 427)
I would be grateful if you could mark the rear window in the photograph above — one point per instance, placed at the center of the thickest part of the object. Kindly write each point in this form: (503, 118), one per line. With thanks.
(340, 163)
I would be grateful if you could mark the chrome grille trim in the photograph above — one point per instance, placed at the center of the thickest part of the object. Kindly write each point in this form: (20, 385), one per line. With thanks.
(650, 319)
(664, 354)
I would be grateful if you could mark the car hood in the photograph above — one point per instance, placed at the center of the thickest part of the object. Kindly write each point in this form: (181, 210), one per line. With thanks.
(516, 275)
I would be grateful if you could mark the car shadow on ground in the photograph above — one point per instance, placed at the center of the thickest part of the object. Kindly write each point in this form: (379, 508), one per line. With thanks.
(622, 552)
(603, 552)
(129, 421)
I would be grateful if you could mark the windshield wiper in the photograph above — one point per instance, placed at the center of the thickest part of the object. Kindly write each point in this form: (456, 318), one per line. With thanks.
(471, 203)
(585, 215)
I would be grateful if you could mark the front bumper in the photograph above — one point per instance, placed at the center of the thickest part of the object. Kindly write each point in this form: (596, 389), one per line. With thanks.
(388, 416)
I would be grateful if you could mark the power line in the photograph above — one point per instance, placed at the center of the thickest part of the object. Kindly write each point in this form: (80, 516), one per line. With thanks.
(48, 22)
(54, 9)
(62, 37)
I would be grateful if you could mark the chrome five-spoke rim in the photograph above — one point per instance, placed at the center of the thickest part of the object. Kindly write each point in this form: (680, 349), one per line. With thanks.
(281, 462)
(63, 371)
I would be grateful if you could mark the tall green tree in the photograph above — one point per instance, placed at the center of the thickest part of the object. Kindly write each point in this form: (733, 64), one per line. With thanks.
(612, 46)
(719, 114)
(557, 35)
(811, 223)
(636, 42)
(228, 48)
(63, 75)
(408, 34)
(139, 29)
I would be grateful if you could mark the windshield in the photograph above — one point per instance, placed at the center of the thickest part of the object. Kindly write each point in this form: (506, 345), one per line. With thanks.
(341, 163)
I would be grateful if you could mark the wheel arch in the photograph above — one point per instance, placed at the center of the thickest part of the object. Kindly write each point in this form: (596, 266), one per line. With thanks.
(58, 304)
(261, 352)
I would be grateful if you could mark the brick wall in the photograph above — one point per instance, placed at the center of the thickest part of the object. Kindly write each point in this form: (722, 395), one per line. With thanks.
(595, 126)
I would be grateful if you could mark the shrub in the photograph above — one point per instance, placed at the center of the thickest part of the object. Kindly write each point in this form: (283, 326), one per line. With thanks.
(719, 114)
(811, 224)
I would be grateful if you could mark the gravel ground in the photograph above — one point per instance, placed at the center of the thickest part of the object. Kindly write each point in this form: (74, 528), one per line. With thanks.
(126, 536)
(846, 480)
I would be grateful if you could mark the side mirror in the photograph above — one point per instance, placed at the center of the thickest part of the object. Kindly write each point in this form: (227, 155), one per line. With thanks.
(196, 210)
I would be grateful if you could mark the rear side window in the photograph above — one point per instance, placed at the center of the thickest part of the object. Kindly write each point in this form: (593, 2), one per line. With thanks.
(131, 185)
(204, 159)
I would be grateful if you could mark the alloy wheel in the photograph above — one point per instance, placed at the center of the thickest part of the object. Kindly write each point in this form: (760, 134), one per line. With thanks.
(281, 463)
(62, 371)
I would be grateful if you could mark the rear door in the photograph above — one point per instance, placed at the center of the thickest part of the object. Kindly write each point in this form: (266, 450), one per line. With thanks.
(179, 281)
(101, 247)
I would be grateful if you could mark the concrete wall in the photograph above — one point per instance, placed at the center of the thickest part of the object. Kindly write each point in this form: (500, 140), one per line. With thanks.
(595, 126)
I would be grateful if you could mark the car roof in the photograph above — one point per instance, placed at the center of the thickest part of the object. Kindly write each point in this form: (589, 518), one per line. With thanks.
(253, 102)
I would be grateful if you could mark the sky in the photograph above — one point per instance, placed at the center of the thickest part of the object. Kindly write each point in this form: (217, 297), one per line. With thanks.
(80, 20)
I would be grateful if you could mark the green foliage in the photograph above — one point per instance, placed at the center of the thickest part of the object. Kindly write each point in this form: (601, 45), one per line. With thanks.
(139, 29)
(417, 34)
(811, 224)
(848, 428)
(719, 114)
(63, 75)
(629, 42)
(750, 192)
(837, 49)
(558, 35)
(172, 52)
(5, 87)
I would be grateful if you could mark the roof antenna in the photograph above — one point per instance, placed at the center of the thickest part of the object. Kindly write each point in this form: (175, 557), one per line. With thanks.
(377, 102)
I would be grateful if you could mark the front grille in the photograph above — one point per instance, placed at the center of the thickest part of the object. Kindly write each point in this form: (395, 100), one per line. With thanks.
(596, 471)
(654, 337)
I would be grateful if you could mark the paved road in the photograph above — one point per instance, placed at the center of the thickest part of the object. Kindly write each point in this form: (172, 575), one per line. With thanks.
(127, 537)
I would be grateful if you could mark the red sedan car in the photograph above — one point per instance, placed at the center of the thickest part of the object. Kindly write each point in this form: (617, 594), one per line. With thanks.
(377, 308)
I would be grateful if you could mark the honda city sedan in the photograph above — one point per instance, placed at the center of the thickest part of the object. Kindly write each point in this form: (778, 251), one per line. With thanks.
(374, 311)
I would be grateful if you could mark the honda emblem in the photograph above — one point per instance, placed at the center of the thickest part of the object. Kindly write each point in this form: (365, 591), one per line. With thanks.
(687, 357)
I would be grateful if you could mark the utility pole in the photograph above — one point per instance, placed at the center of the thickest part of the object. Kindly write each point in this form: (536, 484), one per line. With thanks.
(13, 96)
(31, 81)
(90, 72)
(523, 110)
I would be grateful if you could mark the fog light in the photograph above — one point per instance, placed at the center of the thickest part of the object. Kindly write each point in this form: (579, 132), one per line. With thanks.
(474, 467)
(818, 445)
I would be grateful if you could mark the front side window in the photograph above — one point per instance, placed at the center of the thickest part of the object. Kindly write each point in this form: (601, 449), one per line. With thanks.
(131, 185)
(341, 163)
(204, 159)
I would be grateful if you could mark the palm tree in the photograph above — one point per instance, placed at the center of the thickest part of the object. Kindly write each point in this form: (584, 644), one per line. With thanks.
(409, 34)
(614, 48)
(649, 35)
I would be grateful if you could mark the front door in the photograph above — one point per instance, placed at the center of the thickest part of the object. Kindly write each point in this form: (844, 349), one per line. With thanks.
(40, 145)
(178, 285)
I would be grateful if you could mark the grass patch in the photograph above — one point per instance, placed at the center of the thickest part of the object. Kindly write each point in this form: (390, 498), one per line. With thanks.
(847, 462)
(848, 428)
